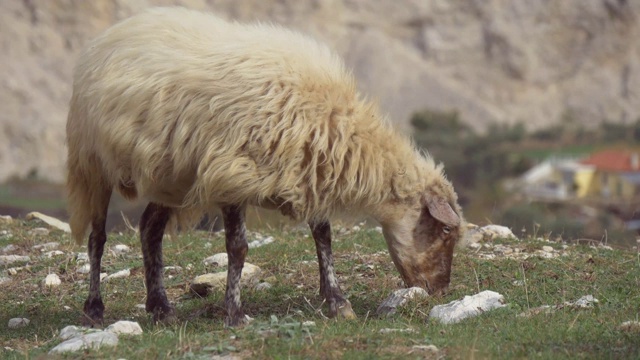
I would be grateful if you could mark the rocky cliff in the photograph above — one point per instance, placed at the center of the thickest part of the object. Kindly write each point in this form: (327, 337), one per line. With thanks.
(493, 60)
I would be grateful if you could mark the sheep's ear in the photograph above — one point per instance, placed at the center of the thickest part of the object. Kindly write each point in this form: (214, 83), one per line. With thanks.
(440, 209)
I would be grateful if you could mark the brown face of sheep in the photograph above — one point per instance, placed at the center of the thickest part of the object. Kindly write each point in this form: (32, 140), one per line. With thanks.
(421, 239)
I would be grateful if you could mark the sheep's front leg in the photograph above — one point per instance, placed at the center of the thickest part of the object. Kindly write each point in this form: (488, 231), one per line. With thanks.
(152, 225)
(329, 287)
(237, 248)
(93, 306)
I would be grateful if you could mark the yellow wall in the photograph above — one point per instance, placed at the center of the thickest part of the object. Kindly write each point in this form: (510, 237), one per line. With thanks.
(584, 180)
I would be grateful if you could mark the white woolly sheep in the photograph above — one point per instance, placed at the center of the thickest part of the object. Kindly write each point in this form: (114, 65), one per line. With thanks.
(192, 112)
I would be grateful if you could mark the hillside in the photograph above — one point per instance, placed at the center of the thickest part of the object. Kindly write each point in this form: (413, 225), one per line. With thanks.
(494, 61)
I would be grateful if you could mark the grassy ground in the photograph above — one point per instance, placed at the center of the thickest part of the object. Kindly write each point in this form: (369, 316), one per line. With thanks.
(514, 269)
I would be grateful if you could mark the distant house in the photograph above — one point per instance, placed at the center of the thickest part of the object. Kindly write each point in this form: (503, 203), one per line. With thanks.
(616, 176)
(557, 180)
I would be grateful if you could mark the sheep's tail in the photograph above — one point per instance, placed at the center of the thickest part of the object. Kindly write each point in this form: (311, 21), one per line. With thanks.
(88, 194)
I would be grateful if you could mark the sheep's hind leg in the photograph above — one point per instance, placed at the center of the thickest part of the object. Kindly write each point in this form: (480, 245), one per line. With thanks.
(237, 247)
(93, 306)
(152, 225)
(329, 287)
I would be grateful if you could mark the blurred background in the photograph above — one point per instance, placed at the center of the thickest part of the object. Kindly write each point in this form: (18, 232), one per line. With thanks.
(533, 106)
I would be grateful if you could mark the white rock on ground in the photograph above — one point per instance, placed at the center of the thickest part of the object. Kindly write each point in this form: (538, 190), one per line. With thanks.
(206, 283)
(83, 269)
(630, 326)
(173, 269)
(6, 219)
(51, 221)
(584, 302)
(39, 232)
(124, 327)
(93, 340)
(261, 242)
(52, 280)
(120, 274)
(82, 257)
(263, 286)
(6, 260)
(4, 279)
(217, 260)
(469, 306)
(121, 249)
(399, 298)
(46, 246)
(17, 323)
(53, 253)
(476, 234)
(72, 331)
(9, 249)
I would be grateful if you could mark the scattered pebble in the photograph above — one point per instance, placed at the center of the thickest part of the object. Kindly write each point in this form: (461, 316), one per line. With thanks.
(378, 229)
(469, 306)
(83, 269)
(172, 269)
(544, 309)
(93, 340)
(53, 253)
(584, 302)
(263, 286)
(52, 280)
(82, 257)
(17, 323)
(261, 242)
(6, 219)
(399, 298)
(141, 306)
(206, 283)
(121, 249)
(547, 248)
(124, 327)
(46, 246)
(8, 249)
(39, 231)
(217, 260)
(120, 274)
(355, 228)
(428, 348)
(4, 279)
(630, 326)
(6, 260)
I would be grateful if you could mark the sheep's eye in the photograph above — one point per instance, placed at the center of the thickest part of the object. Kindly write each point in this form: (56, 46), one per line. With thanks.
(446, 229)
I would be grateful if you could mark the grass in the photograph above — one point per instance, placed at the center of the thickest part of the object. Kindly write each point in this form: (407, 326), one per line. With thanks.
(367, 277)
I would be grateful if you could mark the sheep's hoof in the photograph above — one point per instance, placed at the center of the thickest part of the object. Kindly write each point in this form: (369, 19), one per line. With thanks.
(343, 311)
(237, 321)
(164, 315)
(93, 313)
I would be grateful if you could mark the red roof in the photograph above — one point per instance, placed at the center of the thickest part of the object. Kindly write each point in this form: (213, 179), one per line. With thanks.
(614, 160)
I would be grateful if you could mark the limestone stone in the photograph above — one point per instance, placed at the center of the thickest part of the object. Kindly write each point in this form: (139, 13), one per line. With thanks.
(204, 284)
(469, 306)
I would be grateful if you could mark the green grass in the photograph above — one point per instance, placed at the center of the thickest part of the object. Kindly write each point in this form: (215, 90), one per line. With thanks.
(367, 277)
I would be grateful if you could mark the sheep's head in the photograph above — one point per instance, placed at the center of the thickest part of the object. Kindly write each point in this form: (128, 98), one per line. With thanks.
(421, 236)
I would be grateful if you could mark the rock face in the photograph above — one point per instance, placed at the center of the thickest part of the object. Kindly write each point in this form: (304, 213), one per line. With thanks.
(494, 61)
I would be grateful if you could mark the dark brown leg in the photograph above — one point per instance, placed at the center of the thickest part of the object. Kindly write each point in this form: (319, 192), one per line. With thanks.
(329, 287)
(93, 306)
(152, 225)
(236, 243)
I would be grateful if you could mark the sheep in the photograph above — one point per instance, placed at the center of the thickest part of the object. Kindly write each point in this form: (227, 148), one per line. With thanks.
(192, 113)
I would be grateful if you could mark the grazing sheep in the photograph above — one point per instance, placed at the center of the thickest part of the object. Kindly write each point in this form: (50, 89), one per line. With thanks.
(193, 112)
